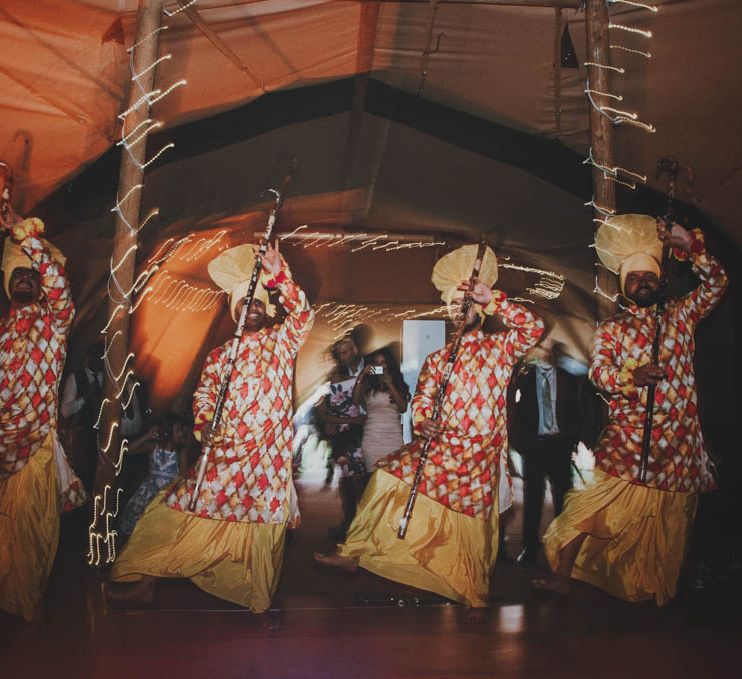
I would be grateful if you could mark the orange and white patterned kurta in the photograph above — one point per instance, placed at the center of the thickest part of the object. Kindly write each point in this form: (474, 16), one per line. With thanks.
(677, 458)
(461, 470)
(248, 471)
(33, 344)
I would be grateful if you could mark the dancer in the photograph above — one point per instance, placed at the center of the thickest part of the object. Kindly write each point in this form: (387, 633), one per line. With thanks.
(451, 543)
(626, 535)
(232, 545)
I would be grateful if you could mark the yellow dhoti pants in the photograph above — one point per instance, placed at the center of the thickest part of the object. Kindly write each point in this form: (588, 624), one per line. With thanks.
(29, 532)
(636, 537)
(236, 561)
(444, 551)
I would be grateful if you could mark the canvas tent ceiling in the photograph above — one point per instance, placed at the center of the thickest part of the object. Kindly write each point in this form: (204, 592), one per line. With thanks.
(64, 72)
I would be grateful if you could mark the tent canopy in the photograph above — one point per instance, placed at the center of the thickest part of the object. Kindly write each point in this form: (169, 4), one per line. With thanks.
(64, 74)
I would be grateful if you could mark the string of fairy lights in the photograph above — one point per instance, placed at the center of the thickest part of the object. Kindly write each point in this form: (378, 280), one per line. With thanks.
(175, 293)
(102, 533)
(383, 242)
(611, 105)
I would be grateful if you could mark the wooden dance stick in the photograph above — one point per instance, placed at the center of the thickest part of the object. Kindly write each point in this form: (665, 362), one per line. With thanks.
(440, 396)
(224, 387)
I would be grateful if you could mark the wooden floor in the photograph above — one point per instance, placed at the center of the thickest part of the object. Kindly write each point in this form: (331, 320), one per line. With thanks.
(328, 625)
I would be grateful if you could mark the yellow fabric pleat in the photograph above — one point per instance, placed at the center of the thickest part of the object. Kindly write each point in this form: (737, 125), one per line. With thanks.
(235, 561)
(444, 551)
(29, 532)
(637, 537)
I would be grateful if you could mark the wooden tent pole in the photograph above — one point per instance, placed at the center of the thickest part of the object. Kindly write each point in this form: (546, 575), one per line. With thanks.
(601, 133)
(123, 261)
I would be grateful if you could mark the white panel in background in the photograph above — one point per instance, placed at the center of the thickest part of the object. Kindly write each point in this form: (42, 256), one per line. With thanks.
(419, 338)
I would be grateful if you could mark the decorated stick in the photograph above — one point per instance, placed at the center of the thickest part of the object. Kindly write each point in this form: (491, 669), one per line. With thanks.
(669, 165)
(440, 396)
(277, 195)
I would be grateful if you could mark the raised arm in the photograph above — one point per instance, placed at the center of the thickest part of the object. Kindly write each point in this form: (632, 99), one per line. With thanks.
(298, 323)
(54, 283)
(713, 278)
(361, 386)
(524, 327)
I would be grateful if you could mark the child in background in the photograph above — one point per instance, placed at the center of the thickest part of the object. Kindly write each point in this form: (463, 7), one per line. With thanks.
(167, 443)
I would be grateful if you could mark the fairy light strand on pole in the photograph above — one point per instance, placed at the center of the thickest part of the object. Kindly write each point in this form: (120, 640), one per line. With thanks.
(604, 102)
(125, 290)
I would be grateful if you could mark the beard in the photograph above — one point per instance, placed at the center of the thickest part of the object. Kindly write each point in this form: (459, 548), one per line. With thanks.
(644, 296)
(24, 295)
(254, 321)
(472, 323)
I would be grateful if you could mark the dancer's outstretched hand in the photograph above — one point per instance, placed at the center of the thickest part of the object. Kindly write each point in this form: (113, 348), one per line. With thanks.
(272, 259)
(480, 293)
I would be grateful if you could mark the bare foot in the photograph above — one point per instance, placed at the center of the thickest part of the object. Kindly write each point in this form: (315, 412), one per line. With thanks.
(142, 592)
(349, 564)
(552, 584)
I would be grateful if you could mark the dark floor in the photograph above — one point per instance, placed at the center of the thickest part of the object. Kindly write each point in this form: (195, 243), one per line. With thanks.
(325, 624)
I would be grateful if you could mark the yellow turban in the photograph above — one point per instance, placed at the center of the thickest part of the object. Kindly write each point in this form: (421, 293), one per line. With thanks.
(627, 243)
(15, 258)
(457, 266)
(232, 270)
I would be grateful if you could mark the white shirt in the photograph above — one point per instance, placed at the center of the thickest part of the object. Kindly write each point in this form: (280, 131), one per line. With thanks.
(70, 403)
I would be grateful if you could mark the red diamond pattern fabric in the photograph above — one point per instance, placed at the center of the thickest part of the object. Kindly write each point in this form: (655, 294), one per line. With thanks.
(678, 460)
(461, 472)
(33, 346)
(248, 472)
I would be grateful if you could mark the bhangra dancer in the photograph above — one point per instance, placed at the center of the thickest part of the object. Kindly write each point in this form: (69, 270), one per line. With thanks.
(34, 472)
(450, 543)
(627, 534)
(232, 544)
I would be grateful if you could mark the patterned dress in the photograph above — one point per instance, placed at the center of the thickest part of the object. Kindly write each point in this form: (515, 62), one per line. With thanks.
(248, 474)
(678, 459)
(635, 534)
(346, 440)
(232, 546)
(452, 538)
(33, 342)
(163, 468)
(382, 431)
(462, 468)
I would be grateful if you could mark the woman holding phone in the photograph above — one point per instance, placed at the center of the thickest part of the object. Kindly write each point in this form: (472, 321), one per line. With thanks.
(383, 393)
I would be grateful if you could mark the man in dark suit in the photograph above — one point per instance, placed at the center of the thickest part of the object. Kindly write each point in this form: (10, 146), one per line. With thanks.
(545, 424)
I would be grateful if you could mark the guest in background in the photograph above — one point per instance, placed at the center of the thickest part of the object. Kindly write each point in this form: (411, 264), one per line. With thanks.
(384, 395)
(82, 395)
(545, 431)
(342, 422)
(167, 444)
